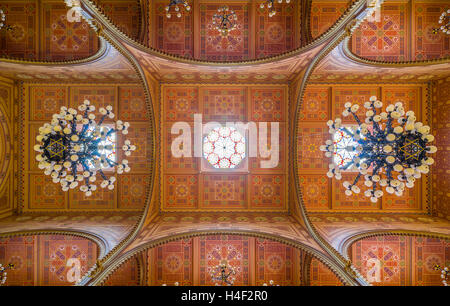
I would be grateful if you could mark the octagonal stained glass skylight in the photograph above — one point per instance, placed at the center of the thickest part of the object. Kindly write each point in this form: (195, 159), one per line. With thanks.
(224, 147)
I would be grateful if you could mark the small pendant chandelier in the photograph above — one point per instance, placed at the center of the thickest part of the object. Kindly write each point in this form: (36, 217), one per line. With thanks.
(174, 3)
(3, 25)
(444, 273)
(223, 274)
(73, 148)
(225, 20)
(389, 149)
(444, 19)
(271, 7)
(4, 273)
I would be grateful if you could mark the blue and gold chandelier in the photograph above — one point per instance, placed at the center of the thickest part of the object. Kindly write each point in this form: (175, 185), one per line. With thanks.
(176, 8)
(225, 20)
(74, 148)
(270, 6)
(389, 149)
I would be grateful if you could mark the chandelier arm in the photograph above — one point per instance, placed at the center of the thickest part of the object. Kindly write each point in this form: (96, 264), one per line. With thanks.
(102, 119)
(103, 175)
(74, 168)
(110, 132)
(111, 162)
(356, 118)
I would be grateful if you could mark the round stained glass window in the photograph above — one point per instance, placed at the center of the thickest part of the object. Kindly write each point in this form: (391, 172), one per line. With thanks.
(224, 147)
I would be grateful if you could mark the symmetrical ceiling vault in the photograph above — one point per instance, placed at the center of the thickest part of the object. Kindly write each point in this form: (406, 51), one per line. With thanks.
(295, 70)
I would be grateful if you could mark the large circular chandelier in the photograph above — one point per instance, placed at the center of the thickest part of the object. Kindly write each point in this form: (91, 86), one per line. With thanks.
(389, 149)
(224, 147)
(270, 6)
(174, 4)
(224, 20)
(74, 148)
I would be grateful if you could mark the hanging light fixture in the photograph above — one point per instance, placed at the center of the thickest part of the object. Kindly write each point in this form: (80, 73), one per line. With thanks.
(175, 3)
(223, 274)
(3, 25)
(444, 273)
(225, 20)
(444, 19)
(271, 7)
(388, 149)
(3, 273)
(73, 148)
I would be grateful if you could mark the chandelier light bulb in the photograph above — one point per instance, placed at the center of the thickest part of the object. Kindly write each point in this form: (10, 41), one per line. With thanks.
(389, 150)
(75, 148)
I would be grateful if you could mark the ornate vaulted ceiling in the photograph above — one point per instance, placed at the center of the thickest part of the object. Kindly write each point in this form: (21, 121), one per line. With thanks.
(288, 223)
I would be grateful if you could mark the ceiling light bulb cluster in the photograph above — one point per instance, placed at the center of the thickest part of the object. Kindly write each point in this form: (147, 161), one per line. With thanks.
(225, 20)
(271, 7)
(444, 19)
(444, 273)
(3, 25)
(74, 148)
(389, 149)
(3, 273)
(175, 3)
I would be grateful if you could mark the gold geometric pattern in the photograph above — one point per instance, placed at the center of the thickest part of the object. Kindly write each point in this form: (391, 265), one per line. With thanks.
(411, 149)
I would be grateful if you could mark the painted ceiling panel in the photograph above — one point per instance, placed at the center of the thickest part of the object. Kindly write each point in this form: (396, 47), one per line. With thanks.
(42, 31)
